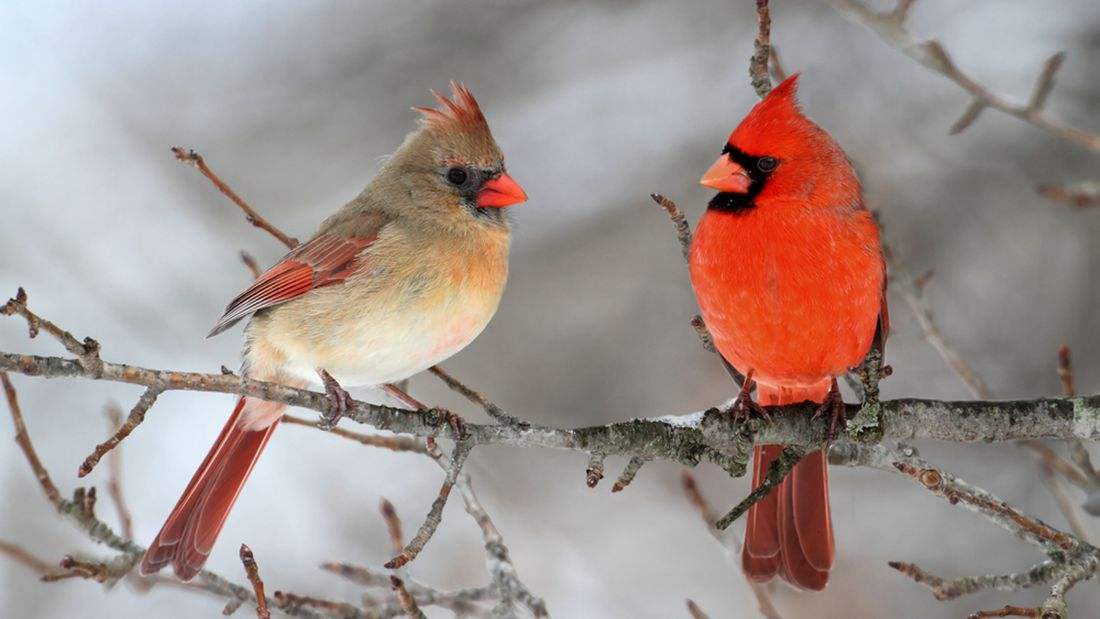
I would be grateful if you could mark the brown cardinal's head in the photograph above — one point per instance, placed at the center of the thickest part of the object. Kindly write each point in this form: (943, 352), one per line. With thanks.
(777, 156)
(451, 167)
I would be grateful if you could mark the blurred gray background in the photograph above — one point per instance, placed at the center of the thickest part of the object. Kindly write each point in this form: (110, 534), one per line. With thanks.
(596, 105)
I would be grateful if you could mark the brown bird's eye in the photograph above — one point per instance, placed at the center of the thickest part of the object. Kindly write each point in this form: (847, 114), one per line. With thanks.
(457, 176)
(767, 164)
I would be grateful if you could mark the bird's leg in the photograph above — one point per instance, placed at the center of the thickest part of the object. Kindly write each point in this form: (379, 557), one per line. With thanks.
(744, 407)
(403, 396)
(834, 405)
(338, 400)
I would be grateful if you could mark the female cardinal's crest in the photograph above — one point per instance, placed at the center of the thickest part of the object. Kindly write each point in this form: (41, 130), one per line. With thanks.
(459, 112)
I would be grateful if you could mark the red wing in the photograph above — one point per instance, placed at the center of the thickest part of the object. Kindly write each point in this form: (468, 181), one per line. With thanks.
(325, 259)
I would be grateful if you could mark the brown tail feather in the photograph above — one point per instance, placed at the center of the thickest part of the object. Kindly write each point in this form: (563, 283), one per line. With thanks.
(790, 531)
(188, 534)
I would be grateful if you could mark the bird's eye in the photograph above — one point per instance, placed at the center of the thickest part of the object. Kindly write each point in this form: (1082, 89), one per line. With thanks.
(767, 164)
(457, 176)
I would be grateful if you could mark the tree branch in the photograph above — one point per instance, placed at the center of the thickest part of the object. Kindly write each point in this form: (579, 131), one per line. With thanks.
(890, 27)
(1071, 559)
(192, 158)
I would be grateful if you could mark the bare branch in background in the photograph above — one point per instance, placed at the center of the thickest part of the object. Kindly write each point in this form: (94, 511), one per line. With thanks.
(890, 27)
(114, 481)
(191, 157)
(136, 416)
(253, 572)
(25, 557)
(761, 51)
(251, 264)
(728, 542)
(435, 514)
(1082, 195)
(408, 603)
(683, 229)
(493, 410)
(1071, 559)
(98, 531)
(695, 611)
(393, 443)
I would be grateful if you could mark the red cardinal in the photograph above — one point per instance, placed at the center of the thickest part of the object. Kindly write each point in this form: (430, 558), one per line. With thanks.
(788, 270)
(402, 277)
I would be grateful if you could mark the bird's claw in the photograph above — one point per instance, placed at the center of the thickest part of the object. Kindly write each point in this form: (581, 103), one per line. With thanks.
(458, 426)
(834, 406)
(744, 407)
(339, 401)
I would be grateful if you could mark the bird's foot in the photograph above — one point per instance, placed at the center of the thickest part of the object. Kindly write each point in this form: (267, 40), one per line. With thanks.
(834, 406)
(744, 407)
(458, 426)
(396, 392)
(339, 401)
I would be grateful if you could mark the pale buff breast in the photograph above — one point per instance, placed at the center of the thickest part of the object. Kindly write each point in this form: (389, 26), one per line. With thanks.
(397, 317)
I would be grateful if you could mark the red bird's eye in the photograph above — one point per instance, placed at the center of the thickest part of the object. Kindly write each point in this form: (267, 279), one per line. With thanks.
(767, 164)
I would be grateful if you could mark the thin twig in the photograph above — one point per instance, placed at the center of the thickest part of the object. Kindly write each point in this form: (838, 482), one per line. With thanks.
(695, 611)
(393, 524)
(761, 51)
(683, 230)
(25, 557)
(192, 158)
(505, 579)
(628, 474)
(594, 473)
(86, 352)
(114, 479)
(930, 53)
(253, 572)
(393, 443)
(251, 264)
(408, 604)
(492, 409)
(777, 471)
(133, 420)
(728, 542)
(24, 441)
(1082, 194)
(435, 514)
(1072, 559)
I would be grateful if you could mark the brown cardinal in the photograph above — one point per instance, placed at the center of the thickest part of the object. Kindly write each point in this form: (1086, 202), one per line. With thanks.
(789, 274)
(402, 277)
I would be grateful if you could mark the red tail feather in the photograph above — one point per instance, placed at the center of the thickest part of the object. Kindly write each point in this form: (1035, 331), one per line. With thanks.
(188, 534)
(790, 531)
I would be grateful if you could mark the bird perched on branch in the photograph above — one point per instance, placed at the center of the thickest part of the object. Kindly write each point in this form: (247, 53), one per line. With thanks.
(789, 274)
(402, 277)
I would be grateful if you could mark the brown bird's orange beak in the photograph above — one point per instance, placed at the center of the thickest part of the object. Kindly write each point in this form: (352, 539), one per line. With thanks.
(500, 192)
(726, 176)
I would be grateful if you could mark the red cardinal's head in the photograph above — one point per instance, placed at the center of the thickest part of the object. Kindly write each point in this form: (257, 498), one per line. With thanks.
(777, 154)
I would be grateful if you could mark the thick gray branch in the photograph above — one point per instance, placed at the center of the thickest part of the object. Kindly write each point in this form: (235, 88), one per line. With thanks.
(687, 439)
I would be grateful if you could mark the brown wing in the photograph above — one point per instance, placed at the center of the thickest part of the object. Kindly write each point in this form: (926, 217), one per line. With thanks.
(325, 259)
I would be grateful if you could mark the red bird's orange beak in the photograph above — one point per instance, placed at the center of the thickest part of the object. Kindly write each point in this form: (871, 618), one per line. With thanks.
(726, 176)
(500, 192)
